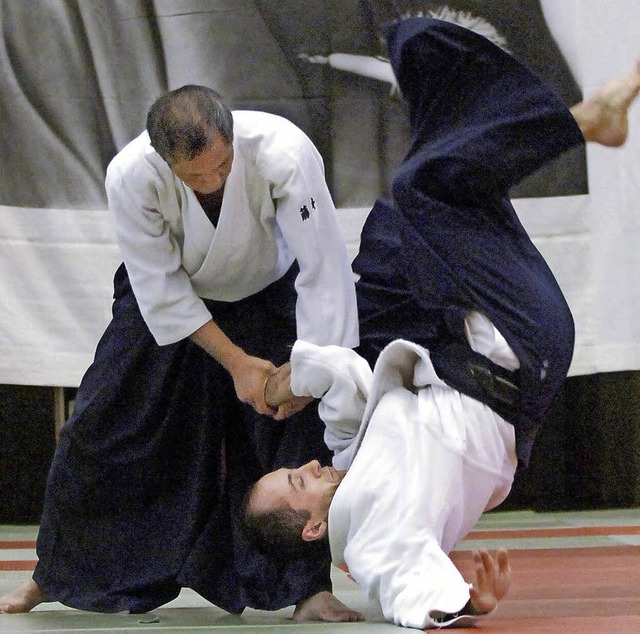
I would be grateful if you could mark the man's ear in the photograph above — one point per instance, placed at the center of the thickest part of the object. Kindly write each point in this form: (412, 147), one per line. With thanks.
(313, 530)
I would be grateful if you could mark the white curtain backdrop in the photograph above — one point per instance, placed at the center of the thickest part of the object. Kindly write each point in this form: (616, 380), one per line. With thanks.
(56, 267)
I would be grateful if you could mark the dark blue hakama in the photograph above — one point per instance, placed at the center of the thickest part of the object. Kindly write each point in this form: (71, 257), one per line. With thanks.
(142, 499)
(450, 241)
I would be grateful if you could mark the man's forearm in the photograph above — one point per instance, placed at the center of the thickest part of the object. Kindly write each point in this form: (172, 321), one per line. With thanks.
(249, 373)
(211, 339)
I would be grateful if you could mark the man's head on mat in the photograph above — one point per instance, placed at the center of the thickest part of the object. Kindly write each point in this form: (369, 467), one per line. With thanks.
(286, 511)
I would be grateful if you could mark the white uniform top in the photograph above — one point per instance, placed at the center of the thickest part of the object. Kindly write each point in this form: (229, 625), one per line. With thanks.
(276, 207)
(423, 466)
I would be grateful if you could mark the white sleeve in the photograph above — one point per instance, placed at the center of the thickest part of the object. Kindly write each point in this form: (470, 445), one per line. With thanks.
(326, 311)
(342, 379)
(415, 582)
(167, 301)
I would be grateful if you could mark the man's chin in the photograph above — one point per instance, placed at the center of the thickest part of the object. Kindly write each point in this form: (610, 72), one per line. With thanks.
(338, 475)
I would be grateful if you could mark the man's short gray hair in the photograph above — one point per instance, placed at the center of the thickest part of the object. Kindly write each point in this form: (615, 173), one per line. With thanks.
(184, 122)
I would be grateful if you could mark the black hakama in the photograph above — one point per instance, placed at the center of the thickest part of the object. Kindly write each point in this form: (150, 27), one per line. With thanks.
(449, 241)
(145, 489)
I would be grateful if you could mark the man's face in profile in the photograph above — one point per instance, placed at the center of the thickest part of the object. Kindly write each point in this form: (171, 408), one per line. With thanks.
(310, 487)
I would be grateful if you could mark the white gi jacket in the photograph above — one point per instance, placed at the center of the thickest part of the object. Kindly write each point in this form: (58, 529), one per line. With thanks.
(276, 207)
(422, 467)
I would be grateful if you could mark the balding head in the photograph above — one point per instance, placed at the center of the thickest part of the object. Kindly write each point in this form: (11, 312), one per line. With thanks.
(185, 122)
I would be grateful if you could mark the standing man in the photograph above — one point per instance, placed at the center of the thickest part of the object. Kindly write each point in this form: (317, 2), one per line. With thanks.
(231, 251)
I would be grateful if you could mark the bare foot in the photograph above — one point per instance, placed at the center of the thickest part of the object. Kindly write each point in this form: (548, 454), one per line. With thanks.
(324, 606)
(23, 598)
(603, 116)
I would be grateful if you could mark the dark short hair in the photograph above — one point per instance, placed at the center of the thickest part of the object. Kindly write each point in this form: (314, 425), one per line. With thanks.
(182, 123)
(277, 533)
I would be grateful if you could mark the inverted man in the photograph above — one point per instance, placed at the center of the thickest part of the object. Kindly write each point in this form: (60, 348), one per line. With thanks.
(433, 438)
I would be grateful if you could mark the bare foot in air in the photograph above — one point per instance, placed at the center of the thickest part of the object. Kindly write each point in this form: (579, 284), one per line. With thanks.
(23, 598)
(603, 116)
(324, 606)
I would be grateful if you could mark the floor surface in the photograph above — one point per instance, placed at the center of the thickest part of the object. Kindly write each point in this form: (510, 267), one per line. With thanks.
(572, 573)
